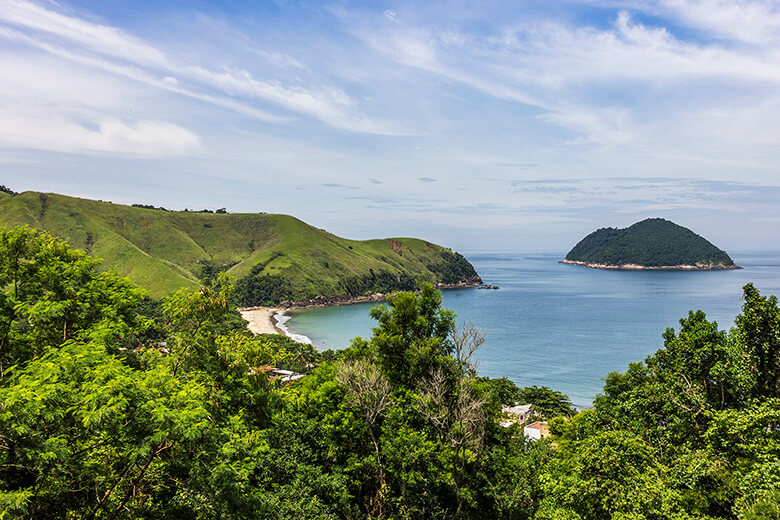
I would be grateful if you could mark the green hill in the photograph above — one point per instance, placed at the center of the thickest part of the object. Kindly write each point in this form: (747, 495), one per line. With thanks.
(271, 257)
(652, 243)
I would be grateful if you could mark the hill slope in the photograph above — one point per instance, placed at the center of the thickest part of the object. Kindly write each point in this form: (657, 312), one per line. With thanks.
(271, 257)
(654, 243)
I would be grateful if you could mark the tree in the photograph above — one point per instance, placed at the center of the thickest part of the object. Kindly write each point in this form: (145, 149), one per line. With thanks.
(50, 294)
(83, 432)
(546, 401)
(694, 363)
(369, 391)
(612, 474)
(758, 332)
(413, 335)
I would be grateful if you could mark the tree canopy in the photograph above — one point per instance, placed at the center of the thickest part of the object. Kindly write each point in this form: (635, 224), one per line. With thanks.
(653, 242)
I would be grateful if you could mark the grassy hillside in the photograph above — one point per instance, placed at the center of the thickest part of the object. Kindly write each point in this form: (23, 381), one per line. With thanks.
(653, 242)
(271, 257)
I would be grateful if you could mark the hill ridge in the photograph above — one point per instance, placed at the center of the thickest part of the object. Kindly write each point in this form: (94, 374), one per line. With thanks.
(164, 250)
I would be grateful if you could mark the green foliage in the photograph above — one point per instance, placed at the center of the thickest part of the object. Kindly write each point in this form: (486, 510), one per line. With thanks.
(90, 430)
(260, 289)
(547, 402)
(412, 338)
(409, 426)
(454, 268)
(382, 281)
(149, 206)
(758, 335)
(612, 474)
(76, 420)
(502, 389)
(653, 242)
(208, 271)
(50, 294)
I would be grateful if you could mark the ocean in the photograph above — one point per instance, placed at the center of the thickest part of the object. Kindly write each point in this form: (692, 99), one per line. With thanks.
(566, 326)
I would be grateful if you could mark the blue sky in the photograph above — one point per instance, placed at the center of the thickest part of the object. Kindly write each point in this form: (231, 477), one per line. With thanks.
(477, 125)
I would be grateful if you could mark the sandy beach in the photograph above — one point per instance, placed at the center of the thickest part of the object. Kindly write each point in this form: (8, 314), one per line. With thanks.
(261, 320)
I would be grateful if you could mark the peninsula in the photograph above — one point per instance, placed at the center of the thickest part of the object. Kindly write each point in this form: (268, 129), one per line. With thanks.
(654, 243)
(271, 258)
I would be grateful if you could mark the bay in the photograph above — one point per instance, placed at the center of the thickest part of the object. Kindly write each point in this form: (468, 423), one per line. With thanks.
(566, 326)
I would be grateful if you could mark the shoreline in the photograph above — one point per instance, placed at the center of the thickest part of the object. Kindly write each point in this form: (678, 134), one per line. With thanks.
(261, 320)
(337, 301)
(272, 320)
(637, 267)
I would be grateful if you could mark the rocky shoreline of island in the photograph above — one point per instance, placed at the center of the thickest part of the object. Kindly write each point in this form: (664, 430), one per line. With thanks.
(637, 267)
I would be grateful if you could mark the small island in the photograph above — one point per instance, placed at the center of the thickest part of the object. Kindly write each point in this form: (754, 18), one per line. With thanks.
(654, 243)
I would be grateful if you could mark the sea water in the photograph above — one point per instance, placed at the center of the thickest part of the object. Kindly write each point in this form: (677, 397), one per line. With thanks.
(566, 326)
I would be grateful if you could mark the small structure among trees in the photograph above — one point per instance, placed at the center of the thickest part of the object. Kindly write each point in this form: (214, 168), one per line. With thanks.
(518, 414)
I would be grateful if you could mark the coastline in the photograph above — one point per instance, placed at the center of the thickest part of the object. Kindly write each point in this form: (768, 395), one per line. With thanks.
(261, 320)
(637, 267)
(336, 301)
(273, 320)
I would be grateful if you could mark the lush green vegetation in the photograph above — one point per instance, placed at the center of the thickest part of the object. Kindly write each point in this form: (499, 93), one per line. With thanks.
(452, 268)
(653, 242)
(164, 251)
(114, 406)
(693, 432)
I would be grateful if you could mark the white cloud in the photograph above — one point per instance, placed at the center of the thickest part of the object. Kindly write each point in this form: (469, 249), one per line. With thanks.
(279, 58)
(56, 133)
(100, 38)
(591, 81)
(753, 22)
(594, 125)
(136, 74)
(49, 105)
(328, 104)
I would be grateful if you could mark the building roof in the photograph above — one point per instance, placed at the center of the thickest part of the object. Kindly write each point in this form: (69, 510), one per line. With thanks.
(523, 409)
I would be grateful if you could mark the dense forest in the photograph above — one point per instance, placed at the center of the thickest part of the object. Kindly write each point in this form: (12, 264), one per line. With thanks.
(115, 406)
(653, 242)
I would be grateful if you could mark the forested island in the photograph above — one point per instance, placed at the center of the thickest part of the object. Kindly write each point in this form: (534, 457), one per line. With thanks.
(115, 406)
(654, 243)
(272, 258)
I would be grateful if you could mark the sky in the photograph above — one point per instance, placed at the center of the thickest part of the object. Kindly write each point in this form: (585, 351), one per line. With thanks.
(517, 125)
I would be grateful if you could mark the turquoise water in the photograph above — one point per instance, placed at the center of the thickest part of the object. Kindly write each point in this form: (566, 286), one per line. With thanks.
(567, 326)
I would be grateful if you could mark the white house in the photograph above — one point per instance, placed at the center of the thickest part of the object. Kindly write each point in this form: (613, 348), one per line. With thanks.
(536, 430)
(517, 414)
